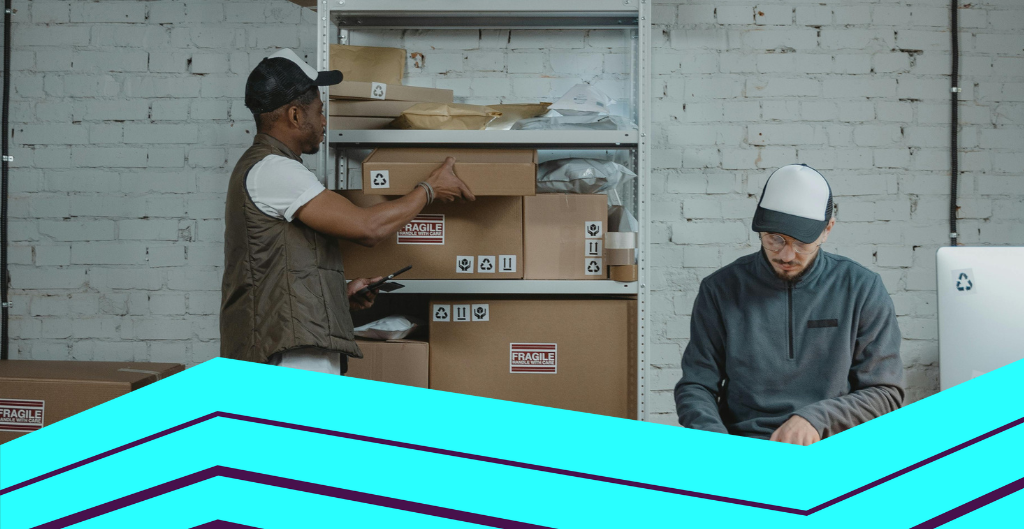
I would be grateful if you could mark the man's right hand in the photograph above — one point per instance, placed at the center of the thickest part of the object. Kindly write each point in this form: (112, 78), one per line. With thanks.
(447, 186)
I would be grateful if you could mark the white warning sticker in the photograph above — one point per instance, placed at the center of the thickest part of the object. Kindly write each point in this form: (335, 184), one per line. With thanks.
(594, 229)
(486, 264)
(507, 263)
(378, 91)
(424, 229)
(593, 266)
(595, 248)
(482, 312)
(464, 264)
(442, 313)
(21, 415)
(533, 358)
(460, 313)
(380, 179)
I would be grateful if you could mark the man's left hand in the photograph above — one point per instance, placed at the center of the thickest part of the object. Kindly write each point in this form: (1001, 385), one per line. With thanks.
(357, 301)
(796, 431)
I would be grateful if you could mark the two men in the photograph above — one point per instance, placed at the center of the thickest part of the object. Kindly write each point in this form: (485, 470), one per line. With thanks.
(285, 299)
(792, 343)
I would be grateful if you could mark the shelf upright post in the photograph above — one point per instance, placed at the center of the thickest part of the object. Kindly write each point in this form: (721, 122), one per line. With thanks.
(323, 25)
(643, 202)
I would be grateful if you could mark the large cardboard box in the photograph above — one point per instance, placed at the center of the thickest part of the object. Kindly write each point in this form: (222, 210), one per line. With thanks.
(468, 240)
(575, 354)
(563, 236)
(487, 172)
(37, 393)
(396, 361)
(390, 92)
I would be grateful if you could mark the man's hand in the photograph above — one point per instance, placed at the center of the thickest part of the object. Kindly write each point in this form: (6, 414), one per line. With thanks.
(796, 431)
(447, 186)
(358, 301)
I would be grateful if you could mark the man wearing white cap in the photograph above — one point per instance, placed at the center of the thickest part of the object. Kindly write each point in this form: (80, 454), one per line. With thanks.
(285, 299)
(792, 343)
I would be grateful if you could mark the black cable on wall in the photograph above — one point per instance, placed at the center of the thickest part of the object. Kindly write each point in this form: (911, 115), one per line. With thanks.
(3, 187)
(954, 122)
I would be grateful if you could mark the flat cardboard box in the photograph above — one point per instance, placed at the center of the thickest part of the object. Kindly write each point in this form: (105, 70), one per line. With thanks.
(563, 236)
(37, 393)
(369, 64)
(403, 362)
(358, 123)
(570, 353)
(470, 240)
(390, 92)
(369, 109)
(487, 172)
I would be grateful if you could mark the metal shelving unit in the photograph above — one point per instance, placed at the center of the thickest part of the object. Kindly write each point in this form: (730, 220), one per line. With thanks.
(336, 18)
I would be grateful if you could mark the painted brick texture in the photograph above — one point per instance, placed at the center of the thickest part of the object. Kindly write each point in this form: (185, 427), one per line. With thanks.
(127, 119)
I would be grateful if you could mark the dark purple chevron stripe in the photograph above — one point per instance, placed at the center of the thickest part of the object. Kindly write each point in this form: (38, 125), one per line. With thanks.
(972, 505)
(221, 524)
(285, 483)
(528, 466)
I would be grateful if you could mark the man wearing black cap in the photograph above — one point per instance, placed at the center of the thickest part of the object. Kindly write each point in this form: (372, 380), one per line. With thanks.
(285, 299)
(791, 344)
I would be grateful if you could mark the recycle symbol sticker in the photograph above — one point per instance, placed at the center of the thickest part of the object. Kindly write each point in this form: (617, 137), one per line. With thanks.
(962, 280)
(380, 180)
(592, 267)
(442, 313)
(378, 91)
(486, 264)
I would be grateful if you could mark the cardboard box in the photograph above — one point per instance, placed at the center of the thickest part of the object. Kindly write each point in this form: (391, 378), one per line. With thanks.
(37, 393)
(396, 361)
(470, 240)
(370, 109)
(358, 123)
(563, 236)
(390, 92)
(574, 354)
(368, 63)
(487, 172)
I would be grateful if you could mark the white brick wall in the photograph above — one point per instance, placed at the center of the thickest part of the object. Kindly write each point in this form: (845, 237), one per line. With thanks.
(127, 118)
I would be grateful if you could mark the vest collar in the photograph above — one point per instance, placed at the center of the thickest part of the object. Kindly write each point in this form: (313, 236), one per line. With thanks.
(267, 139)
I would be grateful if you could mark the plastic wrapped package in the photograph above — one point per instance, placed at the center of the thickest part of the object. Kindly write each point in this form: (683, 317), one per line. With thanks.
(389, 328)
(583, 176)
(583, 100)
(589, 122)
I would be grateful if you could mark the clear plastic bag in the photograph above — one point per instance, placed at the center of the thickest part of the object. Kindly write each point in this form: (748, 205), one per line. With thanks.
(583, 176)
(389, 328)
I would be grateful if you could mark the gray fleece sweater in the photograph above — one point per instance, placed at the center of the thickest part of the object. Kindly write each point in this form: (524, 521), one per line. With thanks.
(826, 348)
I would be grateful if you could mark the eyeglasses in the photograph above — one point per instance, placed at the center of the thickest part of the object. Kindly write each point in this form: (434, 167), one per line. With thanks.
(773, 242)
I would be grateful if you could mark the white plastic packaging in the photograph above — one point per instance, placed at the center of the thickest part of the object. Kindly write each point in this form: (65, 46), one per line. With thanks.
(389, 328)
(583, 99)
(583, 176)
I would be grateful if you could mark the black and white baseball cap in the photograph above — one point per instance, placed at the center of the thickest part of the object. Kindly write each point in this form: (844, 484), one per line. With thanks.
(796, 201)
(280, 79)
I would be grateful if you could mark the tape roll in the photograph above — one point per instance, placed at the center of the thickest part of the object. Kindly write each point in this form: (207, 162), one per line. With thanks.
(620, 239)
(620, 256)
(623, 273)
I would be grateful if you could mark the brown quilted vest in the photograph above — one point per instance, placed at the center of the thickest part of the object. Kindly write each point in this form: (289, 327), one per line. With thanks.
(284, 284)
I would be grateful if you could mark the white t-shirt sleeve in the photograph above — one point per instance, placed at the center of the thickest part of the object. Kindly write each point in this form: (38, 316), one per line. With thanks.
(279, 186)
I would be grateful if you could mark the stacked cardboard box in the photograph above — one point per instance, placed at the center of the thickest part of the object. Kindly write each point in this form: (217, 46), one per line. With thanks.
(575, 354)
(35, 393)
(403, 362)
(563, 236)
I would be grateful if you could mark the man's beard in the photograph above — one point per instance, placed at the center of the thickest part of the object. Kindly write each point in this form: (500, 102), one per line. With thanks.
(790, 279)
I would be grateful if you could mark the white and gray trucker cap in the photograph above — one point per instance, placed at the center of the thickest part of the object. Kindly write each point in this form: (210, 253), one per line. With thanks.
(796, 201)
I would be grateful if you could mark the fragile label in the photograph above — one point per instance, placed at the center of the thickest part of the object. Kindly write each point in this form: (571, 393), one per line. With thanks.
(464, 264)
(380, 179)
(378, 91)
(482, 312)
(594, 248)
(21, 415)
(442, 313)
(486, 265)
(460, 312)
(594, 229)
(533, 358)
(507, 263)
(593, 266)
(424, 229)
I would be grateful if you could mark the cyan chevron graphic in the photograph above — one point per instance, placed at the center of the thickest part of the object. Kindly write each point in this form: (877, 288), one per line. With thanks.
(233, 444)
